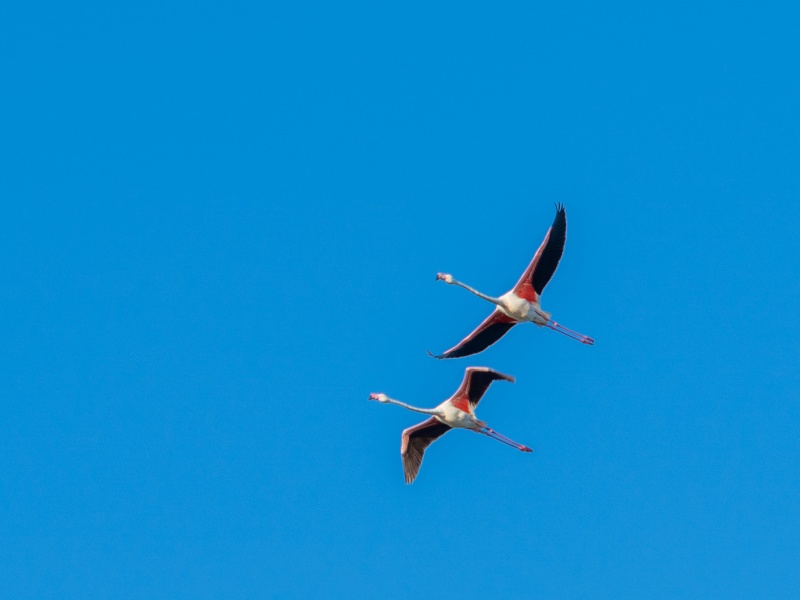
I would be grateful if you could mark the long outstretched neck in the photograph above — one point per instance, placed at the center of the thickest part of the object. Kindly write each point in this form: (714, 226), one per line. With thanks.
(476, 292)
(427, 411)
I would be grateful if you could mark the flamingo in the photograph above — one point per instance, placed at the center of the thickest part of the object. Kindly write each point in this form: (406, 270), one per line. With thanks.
(458, 411)
(521, 303)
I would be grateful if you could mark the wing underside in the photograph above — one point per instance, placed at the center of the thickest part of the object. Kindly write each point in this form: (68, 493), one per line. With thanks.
(414, 442)
(487, 333)
(545, 261)
(476, 381)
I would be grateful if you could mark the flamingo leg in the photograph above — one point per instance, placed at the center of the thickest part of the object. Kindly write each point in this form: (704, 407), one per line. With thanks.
(488, 431)
(584, 339)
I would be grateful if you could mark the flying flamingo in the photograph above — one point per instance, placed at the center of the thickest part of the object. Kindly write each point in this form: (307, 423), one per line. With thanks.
(521, 303)
(456, 411)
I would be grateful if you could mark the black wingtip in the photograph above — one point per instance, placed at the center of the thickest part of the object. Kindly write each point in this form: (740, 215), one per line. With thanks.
(560, 208)
(439, 356)
(504, 377)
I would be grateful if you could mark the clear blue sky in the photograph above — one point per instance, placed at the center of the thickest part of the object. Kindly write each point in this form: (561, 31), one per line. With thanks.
(220, 229)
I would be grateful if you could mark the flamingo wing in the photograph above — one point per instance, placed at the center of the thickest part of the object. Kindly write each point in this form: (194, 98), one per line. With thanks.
(545, 261)
(487, 333)
(414, 441)
(476, 381)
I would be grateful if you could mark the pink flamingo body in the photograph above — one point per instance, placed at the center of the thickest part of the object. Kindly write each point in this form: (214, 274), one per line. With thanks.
(521, 303)
(458, 411)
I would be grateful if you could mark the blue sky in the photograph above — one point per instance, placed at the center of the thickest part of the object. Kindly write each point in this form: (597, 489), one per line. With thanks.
(221, 225)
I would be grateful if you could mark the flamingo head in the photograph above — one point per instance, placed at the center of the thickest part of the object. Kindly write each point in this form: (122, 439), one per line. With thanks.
(447, 278)
(378, 397)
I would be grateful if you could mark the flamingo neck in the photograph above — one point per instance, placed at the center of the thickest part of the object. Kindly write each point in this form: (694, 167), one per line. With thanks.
(496, 301)
(427, 411)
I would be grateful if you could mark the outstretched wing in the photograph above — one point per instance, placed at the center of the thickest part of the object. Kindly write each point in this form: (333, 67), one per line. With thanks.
(476, 381)
(487, 333)
(414, 441)
(545, 261)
